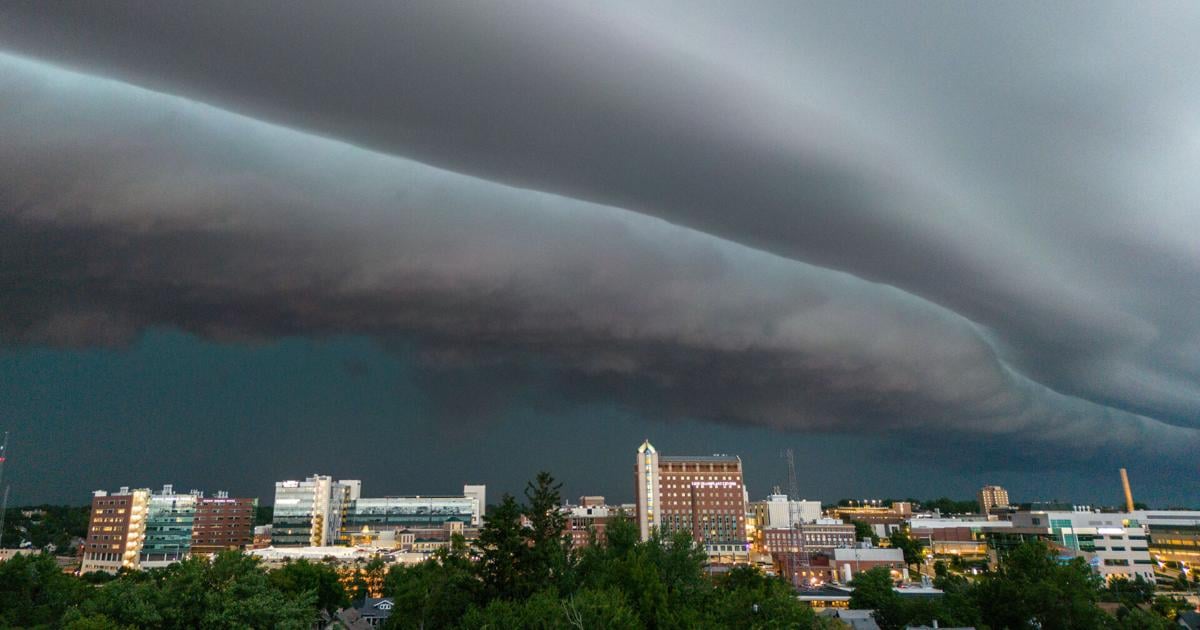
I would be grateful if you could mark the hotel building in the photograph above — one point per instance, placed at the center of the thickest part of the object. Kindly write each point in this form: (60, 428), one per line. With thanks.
(702, 495)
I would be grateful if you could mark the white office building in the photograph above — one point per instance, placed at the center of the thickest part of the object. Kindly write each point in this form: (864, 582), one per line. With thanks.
(1115, 544)
(783, 513)
(309, 513)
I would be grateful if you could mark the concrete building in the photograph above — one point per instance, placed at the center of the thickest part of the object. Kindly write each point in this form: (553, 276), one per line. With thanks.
(309, 512)
(702, 495)
(223, 523)
(783, 512)
(1114, 544)
(850, 561)
(955, 537)
(116, 530)
(992, 497)
(1174, 534)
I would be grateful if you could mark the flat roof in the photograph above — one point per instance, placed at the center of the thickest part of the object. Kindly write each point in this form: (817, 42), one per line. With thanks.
(699, 458)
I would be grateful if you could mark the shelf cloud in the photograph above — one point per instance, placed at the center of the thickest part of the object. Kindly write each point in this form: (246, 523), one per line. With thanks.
(127, 210)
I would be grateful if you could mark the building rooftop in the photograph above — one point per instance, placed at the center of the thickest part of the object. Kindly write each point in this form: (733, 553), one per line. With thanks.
(699, 458)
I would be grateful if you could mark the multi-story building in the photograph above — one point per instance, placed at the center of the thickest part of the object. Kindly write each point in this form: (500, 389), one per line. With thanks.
(309, 512)
(140, 529)
(1174, 534)
(883, 520)
(116, 530)
(992, 497)
(702, 495)
(591, 515)
(955, 536)
(783, 513)
(1114, 544)
(168, 534)
(223, 523)
(368, 519)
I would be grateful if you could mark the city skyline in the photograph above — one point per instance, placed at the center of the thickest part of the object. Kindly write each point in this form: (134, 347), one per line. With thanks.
(438, 245)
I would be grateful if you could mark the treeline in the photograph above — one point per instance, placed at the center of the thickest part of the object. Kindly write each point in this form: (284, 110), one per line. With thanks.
(1032, 588)
(517, 574)
(523, 573)
(44, 527)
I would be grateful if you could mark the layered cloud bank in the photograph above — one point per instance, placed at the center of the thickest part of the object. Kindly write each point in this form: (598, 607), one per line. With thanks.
(123, 209)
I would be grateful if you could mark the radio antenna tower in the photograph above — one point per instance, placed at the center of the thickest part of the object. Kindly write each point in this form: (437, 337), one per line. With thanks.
(797, 550)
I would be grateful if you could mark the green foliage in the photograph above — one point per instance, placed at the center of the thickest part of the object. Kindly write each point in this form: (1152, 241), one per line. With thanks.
(264, 514)
(1128, 592)
(909, 546)
(950, 506)
(547, 562)
(436, 593)
(35, 592)
(1033, 589)
(874, 590)
(231, 591)
(503, 552)
(48, 527)
(318, 580)
(864, 531)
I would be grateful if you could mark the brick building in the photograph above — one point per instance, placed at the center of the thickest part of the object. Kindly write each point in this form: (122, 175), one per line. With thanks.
(703, 495)
(223, 523)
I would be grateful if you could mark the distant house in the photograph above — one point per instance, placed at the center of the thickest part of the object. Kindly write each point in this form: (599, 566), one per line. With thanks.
(375, 610)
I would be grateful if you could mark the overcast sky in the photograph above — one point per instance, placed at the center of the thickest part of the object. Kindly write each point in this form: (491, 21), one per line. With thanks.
(929, 245)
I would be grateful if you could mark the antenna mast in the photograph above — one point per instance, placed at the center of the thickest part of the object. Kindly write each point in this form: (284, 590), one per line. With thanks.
(796, 548)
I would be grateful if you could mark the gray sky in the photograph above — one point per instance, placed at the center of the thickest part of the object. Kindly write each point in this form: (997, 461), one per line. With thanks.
(967, 229)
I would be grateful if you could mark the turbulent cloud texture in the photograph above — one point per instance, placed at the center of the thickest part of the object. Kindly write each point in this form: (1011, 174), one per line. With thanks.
(930, 219)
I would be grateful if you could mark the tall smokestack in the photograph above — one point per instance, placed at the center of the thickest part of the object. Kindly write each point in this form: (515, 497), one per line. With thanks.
(1128, 493)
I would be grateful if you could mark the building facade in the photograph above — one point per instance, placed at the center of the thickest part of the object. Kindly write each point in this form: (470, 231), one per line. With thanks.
(168, 535)
(116, 529)
(1115, 544)
(310, 512)
(379, 519)
(992, 497)
(1174, 535)
(223, 523)
(701, 495)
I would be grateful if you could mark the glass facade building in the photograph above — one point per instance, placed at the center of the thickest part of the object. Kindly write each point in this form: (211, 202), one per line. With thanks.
(169, 521)
(397, 513)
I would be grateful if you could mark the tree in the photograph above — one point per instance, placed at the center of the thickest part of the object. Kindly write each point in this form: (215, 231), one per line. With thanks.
(321, 580)
(548, 559)
(909, 546)
(35, 592)
(874, 590)
(503, 552)
(864, 531)
(433, 594)
(748, 599)
(1033, 589)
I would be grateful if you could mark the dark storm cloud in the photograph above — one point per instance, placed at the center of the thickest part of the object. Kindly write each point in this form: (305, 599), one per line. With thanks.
(123, 209)
(1028, 166)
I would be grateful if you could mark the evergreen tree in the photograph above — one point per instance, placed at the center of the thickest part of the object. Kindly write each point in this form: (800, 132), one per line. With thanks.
(503, 552)
(548, 560)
